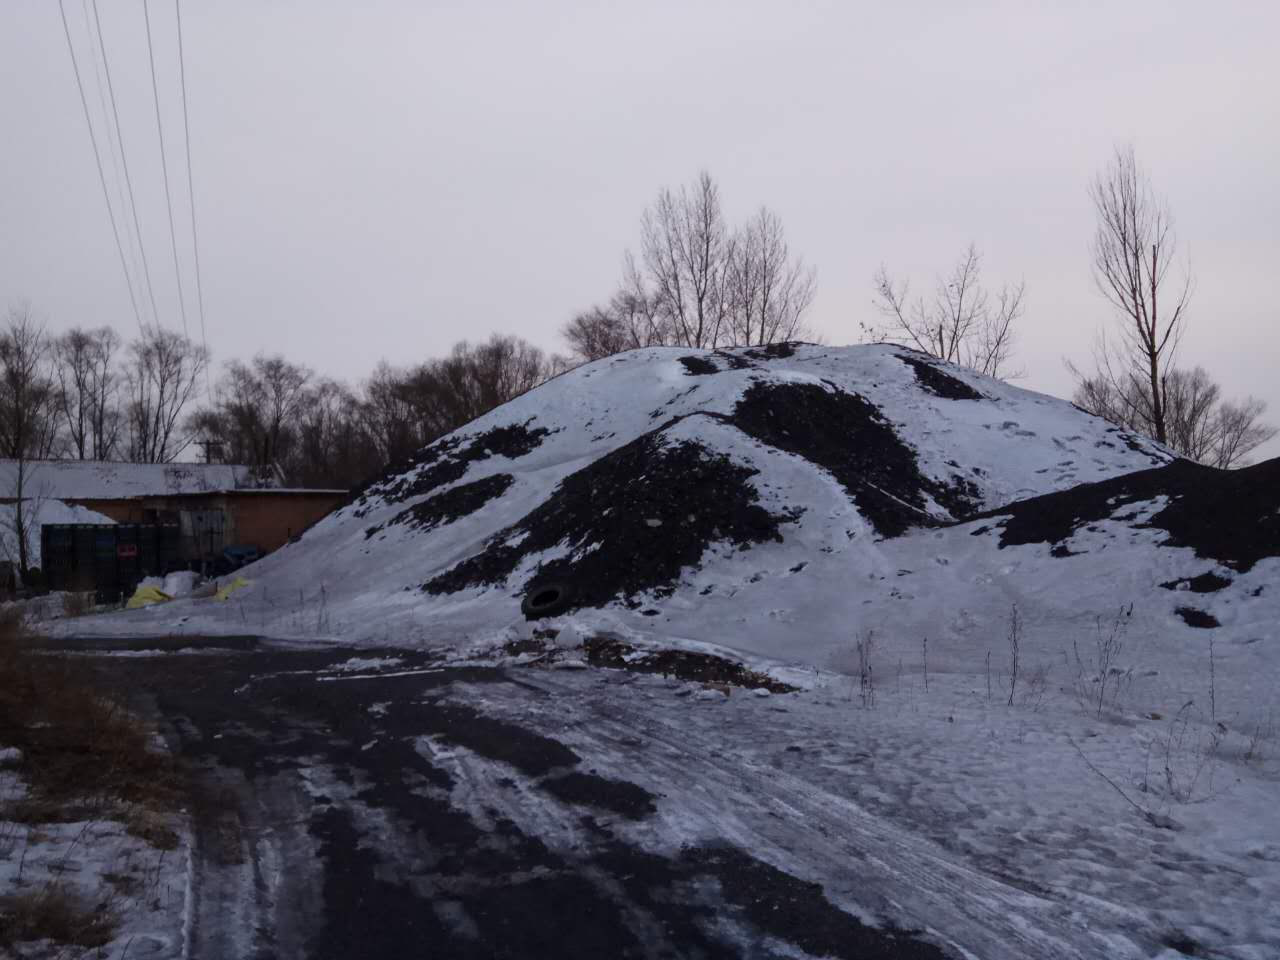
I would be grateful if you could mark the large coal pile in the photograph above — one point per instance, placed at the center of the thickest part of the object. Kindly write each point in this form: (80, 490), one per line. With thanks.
(760, 498)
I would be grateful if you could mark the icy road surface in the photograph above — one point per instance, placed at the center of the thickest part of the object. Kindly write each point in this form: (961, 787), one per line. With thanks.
(385, 803)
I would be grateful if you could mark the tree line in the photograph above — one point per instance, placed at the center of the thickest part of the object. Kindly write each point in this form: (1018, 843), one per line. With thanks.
(86, 394)
(697, 282)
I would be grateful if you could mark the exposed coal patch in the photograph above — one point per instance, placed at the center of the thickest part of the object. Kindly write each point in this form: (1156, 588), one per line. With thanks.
(771, 351)
(1206, 582)
(938, 383)
(588, 789)
(459, 501)
(1197, 618)
(735, 360)
(393, 476)
(604, 651)
(1231, 516)
(845, 434)
(446, 460)
(696, 366)
(632, 521)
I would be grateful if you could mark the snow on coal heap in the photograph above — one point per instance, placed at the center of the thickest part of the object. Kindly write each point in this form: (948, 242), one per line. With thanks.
(775, 501)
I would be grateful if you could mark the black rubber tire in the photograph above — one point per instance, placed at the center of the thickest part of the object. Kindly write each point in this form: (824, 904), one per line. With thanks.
(547, 599)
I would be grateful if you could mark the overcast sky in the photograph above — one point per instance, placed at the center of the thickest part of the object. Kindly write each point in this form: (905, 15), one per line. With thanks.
(378, 180)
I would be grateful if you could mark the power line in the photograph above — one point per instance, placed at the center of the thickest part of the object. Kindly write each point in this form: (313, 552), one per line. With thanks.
(113, 151)
(164, 167)
(97, 157)
(124, 162)
(191, 193)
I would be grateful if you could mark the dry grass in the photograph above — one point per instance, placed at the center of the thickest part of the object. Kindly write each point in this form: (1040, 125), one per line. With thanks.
(54, 913)
(79, 747)
(83, 754)
(84, 757)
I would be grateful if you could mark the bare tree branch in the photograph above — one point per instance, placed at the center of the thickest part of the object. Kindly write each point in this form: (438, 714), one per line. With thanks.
(959, 324)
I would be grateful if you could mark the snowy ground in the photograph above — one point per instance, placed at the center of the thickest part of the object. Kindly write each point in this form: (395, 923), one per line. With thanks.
(341, 776)
(981, 820)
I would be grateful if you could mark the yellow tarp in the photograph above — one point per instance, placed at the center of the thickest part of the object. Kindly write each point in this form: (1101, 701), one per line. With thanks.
(225, 592)
(146, 596)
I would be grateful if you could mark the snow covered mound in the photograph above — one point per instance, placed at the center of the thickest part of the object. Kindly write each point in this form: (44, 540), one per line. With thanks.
(659, 482)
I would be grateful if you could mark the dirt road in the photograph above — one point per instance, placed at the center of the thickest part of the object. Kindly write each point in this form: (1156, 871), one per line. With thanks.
(357, 803)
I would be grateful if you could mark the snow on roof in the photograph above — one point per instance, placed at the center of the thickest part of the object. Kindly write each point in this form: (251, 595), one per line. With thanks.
(101, 480)
(47, 512)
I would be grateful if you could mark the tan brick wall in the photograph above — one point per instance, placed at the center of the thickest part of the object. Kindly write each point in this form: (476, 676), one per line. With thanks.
(268, 520)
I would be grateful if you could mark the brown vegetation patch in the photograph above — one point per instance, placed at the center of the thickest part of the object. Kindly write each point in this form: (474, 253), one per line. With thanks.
(681, 664)
(81, 750)
(54, 913)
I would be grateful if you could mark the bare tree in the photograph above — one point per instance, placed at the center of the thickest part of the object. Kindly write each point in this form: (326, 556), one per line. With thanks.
(256, 419)
(1239, 431)
(768, 291)
(162, 377)
(406, 409)
(1133, 254)
(333, 449)
(686, 248)
(1200, 425)
(699, 283)
(631, 319)
(28, 408)
(88, 390)
(22, 521)
(961, 323)
(388, 416)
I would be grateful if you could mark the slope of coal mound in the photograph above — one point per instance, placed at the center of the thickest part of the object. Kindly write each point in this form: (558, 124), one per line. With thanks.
(1232, 516)
(696, 366)
(447, 460)
(459, 501)
(632, 520)
(772, 351)
(938, 383)
(846, 435)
